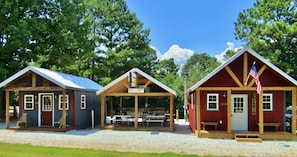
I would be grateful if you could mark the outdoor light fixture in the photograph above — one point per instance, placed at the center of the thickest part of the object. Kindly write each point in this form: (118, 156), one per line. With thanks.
(224, 95)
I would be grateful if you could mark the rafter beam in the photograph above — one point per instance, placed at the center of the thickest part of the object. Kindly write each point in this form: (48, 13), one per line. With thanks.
(147, 83)
(233, 76)
(34, 89)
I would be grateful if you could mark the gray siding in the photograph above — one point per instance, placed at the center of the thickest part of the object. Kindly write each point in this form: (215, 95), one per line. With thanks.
(76, 117)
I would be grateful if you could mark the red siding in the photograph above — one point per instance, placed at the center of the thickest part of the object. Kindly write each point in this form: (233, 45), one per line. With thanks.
(268, 78)
(214, 116)
(275, 116)
(191, 108)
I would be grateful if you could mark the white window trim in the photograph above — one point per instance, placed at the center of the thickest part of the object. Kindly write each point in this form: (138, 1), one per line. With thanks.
(61, 103)
(83, 102)
(25, 101)
(271, 101)
(217, 102)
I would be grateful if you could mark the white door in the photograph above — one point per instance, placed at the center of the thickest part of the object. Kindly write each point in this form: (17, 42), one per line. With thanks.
(239, 112)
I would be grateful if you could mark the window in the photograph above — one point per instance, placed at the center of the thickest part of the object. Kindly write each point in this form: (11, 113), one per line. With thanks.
(61, 102)
(213, 102)
(267, 102)
(29, 102)
(83, 104)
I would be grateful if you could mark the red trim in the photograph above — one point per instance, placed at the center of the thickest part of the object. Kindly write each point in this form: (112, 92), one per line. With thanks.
(85, 102)
(74, 108)
(23, 103)
(59, 102)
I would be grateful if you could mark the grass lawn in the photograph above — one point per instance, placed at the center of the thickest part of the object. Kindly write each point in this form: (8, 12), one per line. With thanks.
(26, 150)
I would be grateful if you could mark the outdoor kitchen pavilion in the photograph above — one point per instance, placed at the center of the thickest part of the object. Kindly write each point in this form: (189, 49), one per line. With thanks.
(135, 83)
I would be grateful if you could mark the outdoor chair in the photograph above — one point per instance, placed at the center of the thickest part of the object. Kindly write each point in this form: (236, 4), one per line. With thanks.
(22, 122)
(59, 122)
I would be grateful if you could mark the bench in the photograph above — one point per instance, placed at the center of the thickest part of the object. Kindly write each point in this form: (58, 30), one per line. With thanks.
(155, 119)
(275, 125)
(215, 124)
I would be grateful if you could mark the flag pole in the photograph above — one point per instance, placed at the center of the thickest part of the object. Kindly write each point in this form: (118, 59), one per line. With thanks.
(249, 74)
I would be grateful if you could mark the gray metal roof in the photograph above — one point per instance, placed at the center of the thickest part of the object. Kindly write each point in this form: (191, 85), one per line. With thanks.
(141, 73)
(252, 52)
(60, 79)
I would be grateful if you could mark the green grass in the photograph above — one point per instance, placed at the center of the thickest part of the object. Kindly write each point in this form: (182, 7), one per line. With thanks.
(26, 150)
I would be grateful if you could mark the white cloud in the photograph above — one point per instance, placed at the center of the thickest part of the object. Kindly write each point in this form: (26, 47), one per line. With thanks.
(180, 55)
(230, 46)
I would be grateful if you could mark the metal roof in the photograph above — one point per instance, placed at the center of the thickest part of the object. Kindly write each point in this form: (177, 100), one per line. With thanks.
(141, 73)
(252, 52)
(60, 79)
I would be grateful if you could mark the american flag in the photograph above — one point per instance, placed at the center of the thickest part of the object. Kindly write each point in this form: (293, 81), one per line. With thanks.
(254, 74)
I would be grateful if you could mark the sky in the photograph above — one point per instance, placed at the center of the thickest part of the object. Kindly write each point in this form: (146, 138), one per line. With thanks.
(180, 28)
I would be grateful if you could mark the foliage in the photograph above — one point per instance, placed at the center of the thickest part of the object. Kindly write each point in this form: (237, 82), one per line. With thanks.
(230, 53)
(98, 39)
(120, 41)
(15, 34)
(166, 71)
(197, 67)
(270, 28)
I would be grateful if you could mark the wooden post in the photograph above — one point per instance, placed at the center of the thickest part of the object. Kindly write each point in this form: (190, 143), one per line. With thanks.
(245, 68)
(7, 109)
(261, 116)
(177, 114)
(136, 112)
(102, 110)
(33, 80)
(171, 111)
(121, 105)
(293, 119)
(111, 106)
(64, 110)
(229, 113)
(197, 115)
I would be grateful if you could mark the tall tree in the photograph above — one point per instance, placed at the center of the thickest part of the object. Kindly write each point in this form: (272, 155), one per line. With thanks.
(65, 38)
(121, 42)
(197, 67)
(270, 28)
(167, 72)
(17, 18)
(165, 67)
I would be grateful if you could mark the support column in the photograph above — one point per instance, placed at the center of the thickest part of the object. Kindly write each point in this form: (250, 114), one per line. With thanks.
(102, 110)
(293, 119)
(171, 111)
(261, 116)
(245, 69)
(111, 106)
(136, 112)
(64, 110)
(7, 109)
(197, 115)
(229, 113)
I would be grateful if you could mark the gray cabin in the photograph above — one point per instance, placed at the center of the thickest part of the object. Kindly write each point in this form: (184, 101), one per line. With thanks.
(41, 94)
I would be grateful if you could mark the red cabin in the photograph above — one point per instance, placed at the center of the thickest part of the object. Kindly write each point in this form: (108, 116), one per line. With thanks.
(226, 101)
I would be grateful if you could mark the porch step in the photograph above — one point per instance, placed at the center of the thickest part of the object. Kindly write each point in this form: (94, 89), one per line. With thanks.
(247, 137)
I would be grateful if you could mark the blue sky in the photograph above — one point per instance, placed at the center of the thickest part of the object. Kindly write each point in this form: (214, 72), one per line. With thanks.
(180, 28)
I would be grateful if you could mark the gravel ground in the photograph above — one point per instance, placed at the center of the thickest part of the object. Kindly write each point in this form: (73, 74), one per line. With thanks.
(182, 141)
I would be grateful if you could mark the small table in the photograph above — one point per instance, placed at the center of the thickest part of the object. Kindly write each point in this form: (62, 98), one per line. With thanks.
(123, 118)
